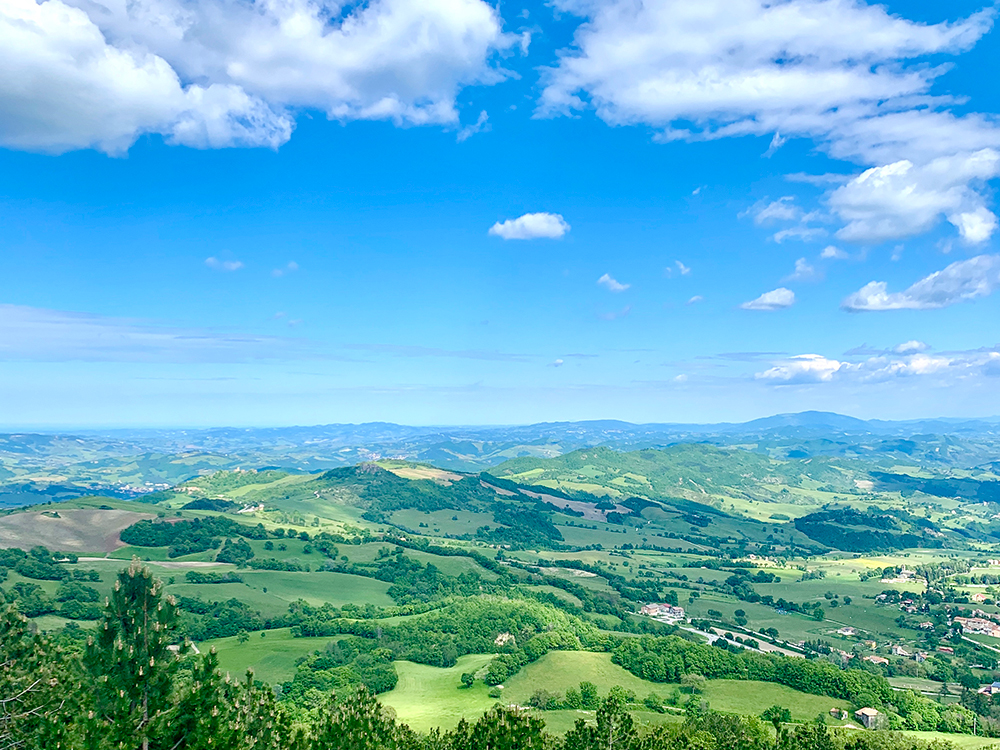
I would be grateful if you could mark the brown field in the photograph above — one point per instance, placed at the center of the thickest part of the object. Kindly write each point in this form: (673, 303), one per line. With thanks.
(423, 472)
(81, 530)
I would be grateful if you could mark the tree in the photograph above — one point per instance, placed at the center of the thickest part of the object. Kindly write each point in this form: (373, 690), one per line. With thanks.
(201, 721)
(777, 715)
(361, 723)
(693, 683)
(968, 681)
(130, 658)
(468, 679)
(589, 697)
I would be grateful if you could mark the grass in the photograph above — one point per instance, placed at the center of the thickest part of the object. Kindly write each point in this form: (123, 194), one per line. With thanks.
(272, 658)
(960, 741)
(559, 670)
(427, 697)
(318, 588)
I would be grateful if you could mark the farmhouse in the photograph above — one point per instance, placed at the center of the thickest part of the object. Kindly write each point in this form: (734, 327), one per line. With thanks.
(876, 659)
(978, 625)
(990, 689)
(666, 612)
(869, 717)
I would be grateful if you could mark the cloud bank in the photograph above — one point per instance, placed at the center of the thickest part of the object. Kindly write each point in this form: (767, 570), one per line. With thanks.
(850, 76)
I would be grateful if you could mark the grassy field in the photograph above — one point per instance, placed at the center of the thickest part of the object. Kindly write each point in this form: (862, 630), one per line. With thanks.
(559, 670)
(428, 697)
(272, 658)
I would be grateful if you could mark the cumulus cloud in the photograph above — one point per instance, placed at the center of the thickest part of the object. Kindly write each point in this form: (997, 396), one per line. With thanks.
(213, 73)
(805, 368)
(531, 226)
(777, 299)
(612, 284)
(65, 87)
(905, 361)
(901, 199)
(223, 265)
(832, 252)
(961, 281)
(850, 76)
(733, 67)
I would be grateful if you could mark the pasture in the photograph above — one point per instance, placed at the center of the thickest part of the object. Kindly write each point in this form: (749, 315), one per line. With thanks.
(271, 657)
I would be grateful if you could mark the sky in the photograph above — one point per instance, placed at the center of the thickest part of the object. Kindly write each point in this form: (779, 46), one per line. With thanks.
(451, 212)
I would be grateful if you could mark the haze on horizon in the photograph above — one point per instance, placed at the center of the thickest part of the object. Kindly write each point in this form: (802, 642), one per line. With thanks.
(455, 212)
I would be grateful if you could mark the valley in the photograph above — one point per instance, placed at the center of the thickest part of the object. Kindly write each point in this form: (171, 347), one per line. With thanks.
(813, 582)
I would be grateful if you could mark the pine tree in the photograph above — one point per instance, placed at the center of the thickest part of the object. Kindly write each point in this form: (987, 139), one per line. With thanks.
(202, 720)
(257, 723)
(361, 723)
(41, 688)
(131, 661)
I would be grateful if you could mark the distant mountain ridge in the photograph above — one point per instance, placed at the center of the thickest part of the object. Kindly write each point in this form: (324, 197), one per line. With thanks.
(129, 462)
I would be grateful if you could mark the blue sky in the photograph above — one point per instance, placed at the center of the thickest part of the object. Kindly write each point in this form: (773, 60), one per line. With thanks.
(300, 215)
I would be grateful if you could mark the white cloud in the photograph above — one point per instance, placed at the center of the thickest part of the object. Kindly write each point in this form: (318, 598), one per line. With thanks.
(212, 73)
(776, 142)
(695, 299)
(901, 200)
(805, 368)
(815, 368)
(833, 252)
(733, 67)
(803, 233)
(41, 335)
(682, 269)
(289, 267)
(223, 265)
(531, 226)
(64, 87)
(783, 209)
(851, 76)
(777, 299)
(961, 281)
(557, 363)
(910, 347)
(481, 125)
(612, 284)
(804, 271)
